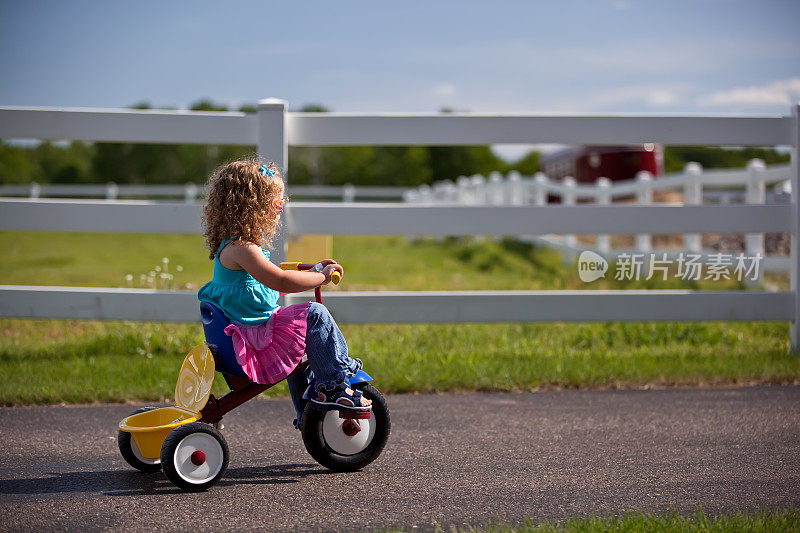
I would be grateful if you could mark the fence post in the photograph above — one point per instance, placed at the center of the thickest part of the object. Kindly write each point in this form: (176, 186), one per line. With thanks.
(644, 196)
(540, 189)
(570, 241)
(692, 195)
(462, 192)
(349, 193)
(440, 191)
(603, 189)
(112, 190)
(445, 192)
(425, 194)
(273, 146)
(515, 189)
(453, 193)
(35, 190)
(496, 194)
(190, 192)
(478, 189)
(756, 194)
(794, 330)
(411, 196)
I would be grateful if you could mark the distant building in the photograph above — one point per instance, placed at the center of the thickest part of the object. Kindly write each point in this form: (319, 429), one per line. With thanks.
(587, 163)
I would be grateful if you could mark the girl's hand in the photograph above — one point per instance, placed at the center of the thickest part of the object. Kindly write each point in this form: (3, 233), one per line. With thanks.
(329, 269)
(326, 262)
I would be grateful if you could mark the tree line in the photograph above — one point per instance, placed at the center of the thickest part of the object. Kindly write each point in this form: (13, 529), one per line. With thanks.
(130, 163)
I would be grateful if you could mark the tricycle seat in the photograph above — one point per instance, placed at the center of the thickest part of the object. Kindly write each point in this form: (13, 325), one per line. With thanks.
(221, 345)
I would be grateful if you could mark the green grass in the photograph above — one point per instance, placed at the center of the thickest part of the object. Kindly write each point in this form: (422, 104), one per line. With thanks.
(396, 263)
(778, 521)
(371, 263)
(71, 361)
(53, 361)
(98, 259)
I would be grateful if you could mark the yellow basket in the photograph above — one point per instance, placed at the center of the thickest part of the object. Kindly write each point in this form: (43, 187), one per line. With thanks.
(149, 429)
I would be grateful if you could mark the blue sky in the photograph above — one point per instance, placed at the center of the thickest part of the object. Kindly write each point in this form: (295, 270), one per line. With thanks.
(569, 56)
(718, 56)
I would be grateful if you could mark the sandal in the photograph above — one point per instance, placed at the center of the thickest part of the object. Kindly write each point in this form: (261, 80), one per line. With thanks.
(341, 400)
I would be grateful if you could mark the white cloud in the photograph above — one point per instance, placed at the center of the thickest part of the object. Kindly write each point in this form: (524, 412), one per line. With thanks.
(781, 92)
(660, 97)
(444, 89)
(651, 95)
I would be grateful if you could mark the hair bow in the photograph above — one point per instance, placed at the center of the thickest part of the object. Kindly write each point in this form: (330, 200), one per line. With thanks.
(266, 170)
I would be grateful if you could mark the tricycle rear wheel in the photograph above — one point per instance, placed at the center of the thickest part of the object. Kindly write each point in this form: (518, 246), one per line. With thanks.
(334, 444)
(130, 451)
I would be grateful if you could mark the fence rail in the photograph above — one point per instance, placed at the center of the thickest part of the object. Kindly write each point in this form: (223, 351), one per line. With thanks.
(387, 219)
(416, 307)
(272, 129)
(134, 126)
(190, 192)
(344, 129)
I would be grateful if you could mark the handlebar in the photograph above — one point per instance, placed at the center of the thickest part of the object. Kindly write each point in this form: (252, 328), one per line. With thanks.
(336, 276)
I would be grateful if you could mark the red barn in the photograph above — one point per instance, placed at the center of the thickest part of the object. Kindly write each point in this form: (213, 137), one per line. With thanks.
(587, 163)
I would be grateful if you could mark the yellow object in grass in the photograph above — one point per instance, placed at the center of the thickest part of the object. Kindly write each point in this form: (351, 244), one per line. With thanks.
(310, 248)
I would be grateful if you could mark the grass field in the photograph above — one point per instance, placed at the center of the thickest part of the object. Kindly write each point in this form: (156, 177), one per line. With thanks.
(778, 521)
(83, 361)
(371, 263)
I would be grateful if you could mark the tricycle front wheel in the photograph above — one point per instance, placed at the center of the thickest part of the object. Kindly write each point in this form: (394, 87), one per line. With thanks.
(342, 444)
(194, 456)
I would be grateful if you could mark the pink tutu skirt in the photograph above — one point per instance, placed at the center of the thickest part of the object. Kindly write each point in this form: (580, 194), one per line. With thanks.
(270, 351)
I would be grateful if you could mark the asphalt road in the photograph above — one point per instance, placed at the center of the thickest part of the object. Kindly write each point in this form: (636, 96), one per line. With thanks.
(451, 460)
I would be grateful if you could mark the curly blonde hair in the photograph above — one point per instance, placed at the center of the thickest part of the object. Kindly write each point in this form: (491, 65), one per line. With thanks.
(241, 204)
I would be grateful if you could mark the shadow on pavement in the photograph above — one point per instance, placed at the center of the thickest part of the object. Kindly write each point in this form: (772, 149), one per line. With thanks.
(133, 483)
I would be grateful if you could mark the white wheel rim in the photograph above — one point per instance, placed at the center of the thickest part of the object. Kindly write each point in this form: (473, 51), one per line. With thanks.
(339, 441)
(214, 457)
(142, 458)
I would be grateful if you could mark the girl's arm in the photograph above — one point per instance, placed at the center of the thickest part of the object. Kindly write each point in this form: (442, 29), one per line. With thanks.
(249, 257)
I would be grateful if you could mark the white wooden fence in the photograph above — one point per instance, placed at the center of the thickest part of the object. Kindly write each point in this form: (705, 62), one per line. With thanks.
(748, 185)
(190, 192)
(272, 129)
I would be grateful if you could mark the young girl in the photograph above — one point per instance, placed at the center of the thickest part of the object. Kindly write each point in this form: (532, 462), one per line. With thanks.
(242, 213)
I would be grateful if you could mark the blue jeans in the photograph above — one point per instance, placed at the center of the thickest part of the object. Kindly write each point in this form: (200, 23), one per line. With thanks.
(327, 357)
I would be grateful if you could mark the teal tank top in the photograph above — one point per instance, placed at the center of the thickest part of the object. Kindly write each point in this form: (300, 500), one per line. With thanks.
(243, 299)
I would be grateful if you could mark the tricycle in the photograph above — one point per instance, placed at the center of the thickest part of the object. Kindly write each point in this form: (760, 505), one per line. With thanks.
(185, 440)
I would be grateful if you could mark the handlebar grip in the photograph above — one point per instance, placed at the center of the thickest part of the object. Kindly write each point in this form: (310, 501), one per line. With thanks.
(290, 265)
(336, 277)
